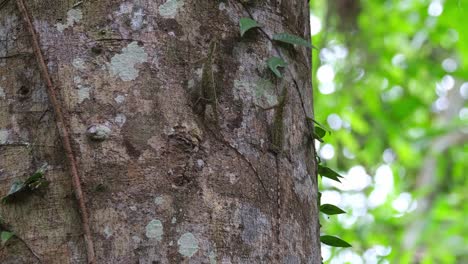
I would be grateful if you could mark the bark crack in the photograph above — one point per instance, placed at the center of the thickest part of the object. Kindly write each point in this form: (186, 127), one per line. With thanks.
(3, 3)
(30, 249)
(243, 157)
(278, 213)
(63, 130)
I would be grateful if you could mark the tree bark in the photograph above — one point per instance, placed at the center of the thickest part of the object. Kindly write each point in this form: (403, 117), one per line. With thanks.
(162, 180)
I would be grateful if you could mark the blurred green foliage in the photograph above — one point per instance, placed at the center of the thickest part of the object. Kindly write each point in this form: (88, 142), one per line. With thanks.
(390, 79)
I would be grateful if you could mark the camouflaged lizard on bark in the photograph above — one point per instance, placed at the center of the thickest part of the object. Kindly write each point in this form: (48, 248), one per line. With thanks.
(207, 95)
(207, 90)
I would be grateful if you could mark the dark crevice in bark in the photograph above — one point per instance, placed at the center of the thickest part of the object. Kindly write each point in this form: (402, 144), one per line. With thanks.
(18, 55)
(36, 256)
(242, 156)
(278, 213)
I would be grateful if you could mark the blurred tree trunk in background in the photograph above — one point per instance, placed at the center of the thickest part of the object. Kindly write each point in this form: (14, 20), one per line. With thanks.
(161, 183)
(428, 180)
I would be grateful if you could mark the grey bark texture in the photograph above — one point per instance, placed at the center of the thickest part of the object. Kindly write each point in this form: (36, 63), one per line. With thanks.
(162, 182)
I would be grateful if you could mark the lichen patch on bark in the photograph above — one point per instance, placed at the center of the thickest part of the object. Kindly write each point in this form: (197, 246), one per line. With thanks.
(4, 136)
(108, 232)
(124, 64)
(188, 244)
(120, 119)
(2, 93)
(73, 16)
(159, 200)
(154, 229)
(170, 8)
(83, 90)
(79, 64)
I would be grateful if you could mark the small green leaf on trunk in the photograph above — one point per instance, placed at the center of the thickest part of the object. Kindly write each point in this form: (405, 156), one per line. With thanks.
(32, 183)
(246, 24)
(5, 236)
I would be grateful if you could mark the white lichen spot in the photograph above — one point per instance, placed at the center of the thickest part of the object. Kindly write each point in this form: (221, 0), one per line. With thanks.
(136, 242)
(212, 257)
(170, 8)
(159, 200)
(155, 61)
(107, 232)
(188, 245)
(123, 65)
(191, 84)
(119, 99)
(133, 208)
(4, 136)
(154, 229)
(77, 79)
(136, 239)
(171, 243)
(73, 16)
(79, 64)
(2, 93)
(83, 92)
(173, 220)
(302, 183)
(137, 19)
(120, 119)
(222, 6)
(98, 132)
(232, 177)
(125, 8)
(200, 164)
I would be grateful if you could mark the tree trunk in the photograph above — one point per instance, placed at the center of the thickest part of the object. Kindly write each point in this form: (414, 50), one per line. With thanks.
(142, 167)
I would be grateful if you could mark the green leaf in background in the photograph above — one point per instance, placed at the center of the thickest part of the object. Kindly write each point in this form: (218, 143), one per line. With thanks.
(5, 236)
(330, 209)
(334, 241)
(275, 62)
(329, 173)
(246, 24)
(292, 39)
(395, 105)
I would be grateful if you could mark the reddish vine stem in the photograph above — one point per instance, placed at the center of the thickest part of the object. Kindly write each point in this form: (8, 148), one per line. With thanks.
(63, 130)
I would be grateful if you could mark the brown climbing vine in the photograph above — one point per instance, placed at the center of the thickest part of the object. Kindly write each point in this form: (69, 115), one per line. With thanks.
(63, 129)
